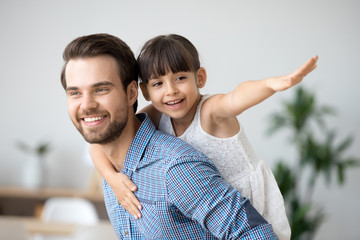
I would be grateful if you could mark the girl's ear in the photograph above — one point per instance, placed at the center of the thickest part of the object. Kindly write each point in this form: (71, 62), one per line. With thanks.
(144, 91)
(132, 92)
(201, 77)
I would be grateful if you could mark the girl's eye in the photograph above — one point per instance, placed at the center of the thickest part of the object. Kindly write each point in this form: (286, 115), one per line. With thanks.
(180, 78)
(157, 84)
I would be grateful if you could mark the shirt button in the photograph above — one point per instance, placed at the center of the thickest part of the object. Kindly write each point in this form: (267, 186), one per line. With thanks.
(126, 232)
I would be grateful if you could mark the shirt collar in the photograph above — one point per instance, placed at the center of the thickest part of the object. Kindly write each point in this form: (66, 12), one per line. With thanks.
(140, 141)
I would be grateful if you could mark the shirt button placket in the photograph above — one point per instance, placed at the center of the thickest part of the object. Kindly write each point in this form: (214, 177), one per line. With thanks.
(126, 228)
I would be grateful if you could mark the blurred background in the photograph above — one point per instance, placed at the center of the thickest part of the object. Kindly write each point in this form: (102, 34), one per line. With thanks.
(237, 41)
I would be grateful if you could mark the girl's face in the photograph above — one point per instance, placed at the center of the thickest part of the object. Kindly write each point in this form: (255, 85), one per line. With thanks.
(176, 94)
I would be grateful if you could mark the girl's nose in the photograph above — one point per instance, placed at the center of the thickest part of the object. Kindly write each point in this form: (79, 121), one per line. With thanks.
(171, 89)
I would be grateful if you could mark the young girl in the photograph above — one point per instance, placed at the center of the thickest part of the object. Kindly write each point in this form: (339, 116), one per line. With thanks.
(171, 78)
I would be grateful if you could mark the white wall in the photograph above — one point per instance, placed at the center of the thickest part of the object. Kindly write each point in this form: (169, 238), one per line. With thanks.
(237, 40)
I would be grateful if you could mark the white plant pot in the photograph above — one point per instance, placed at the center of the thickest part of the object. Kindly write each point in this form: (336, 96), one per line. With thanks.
(33, 172)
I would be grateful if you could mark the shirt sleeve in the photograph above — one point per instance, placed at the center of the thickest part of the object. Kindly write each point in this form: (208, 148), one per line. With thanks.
(196, 188)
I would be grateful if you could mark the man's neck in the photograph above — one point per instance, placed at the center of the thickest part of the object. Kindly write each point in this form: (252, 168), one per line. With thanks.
(117, 150)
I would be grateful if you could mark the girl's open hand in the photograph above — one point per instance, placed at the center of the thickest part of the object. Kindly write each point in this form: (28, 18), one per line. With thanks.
(123, 189)
(284, 82)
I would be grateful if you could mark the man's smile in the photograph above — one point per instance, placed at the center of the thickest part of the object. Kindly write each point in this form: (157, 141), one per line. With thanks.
(93, 119)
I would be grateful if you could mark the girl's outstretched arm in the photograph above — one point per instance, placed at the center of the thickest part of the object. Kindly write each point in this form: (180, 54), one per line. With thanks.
(122, 186)
(250, 93)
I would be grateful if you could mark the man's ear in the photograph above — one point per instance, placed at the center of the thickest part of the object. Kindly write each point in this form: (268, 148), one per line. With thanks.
(201, 77)
(144, 91)
(132, 92)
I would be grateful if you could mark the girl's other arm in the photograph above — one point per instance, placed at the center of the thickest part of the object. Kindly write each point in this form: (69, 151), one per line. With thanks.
(153, 114)
(122, 186)
(250, 93)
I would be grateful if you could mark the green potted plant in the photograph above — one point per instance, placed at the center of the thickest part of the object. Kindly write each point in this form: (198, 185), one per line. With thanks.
(317, 155)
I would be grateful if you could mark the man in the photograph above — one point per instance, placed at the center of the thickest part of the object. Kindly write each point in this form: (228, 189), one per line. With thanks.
(182, 194)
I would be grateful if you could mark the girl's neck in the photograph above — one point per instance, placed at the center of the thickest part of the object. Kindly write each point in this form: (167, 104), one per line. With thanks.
(181, 124)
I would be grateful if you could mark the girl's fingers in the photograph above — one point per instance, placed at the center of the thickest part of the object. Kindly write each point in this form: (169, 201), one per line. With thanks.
(309, 66)
(130, 185)
(131, 208)
(128, 199)
(128, 182)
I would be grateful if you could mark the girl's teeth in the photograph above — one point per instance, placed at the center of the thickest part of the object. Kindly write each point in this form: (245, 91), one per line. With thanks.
(174, 102)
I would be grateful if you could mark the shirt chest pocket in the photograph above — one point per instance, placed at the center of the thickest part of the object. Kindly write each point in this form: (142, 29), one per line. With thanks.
(149, 223)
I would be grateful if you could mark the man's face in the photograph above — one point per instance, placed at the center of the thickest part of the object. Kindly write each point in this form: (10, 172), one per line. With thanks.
(97, 104)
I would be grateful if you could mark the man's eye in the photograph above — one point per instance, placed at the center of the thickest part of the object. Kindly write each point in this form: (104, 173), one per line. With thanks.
(73, 93)
(100, 90)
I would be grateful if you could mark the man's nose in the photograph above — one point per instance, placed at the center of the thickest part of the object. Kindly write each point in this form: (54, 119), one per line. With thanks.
(89, 102)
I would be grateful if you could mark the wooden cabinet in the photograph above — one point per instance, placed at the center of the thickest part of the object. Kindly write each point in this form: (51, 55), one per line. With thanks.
(26, 202)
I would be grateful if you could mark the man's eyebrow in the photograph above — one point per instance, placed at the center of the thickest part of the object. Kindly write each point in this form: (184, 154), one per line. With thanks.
(105, 83)
(99, 84)
(71, 89)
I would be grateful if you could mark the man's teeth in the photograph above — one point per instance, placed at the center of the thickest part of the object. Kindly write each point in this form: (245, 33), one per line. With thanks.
(93, 119)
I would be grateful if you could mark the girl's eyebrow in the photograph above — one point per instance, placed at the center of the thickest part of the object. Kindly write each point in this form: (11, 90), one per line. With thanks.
(153, 78)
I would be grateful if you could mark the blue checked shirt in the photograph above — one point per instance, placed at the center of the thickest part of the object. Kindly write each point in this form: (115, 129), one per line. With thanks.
(182, 194)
